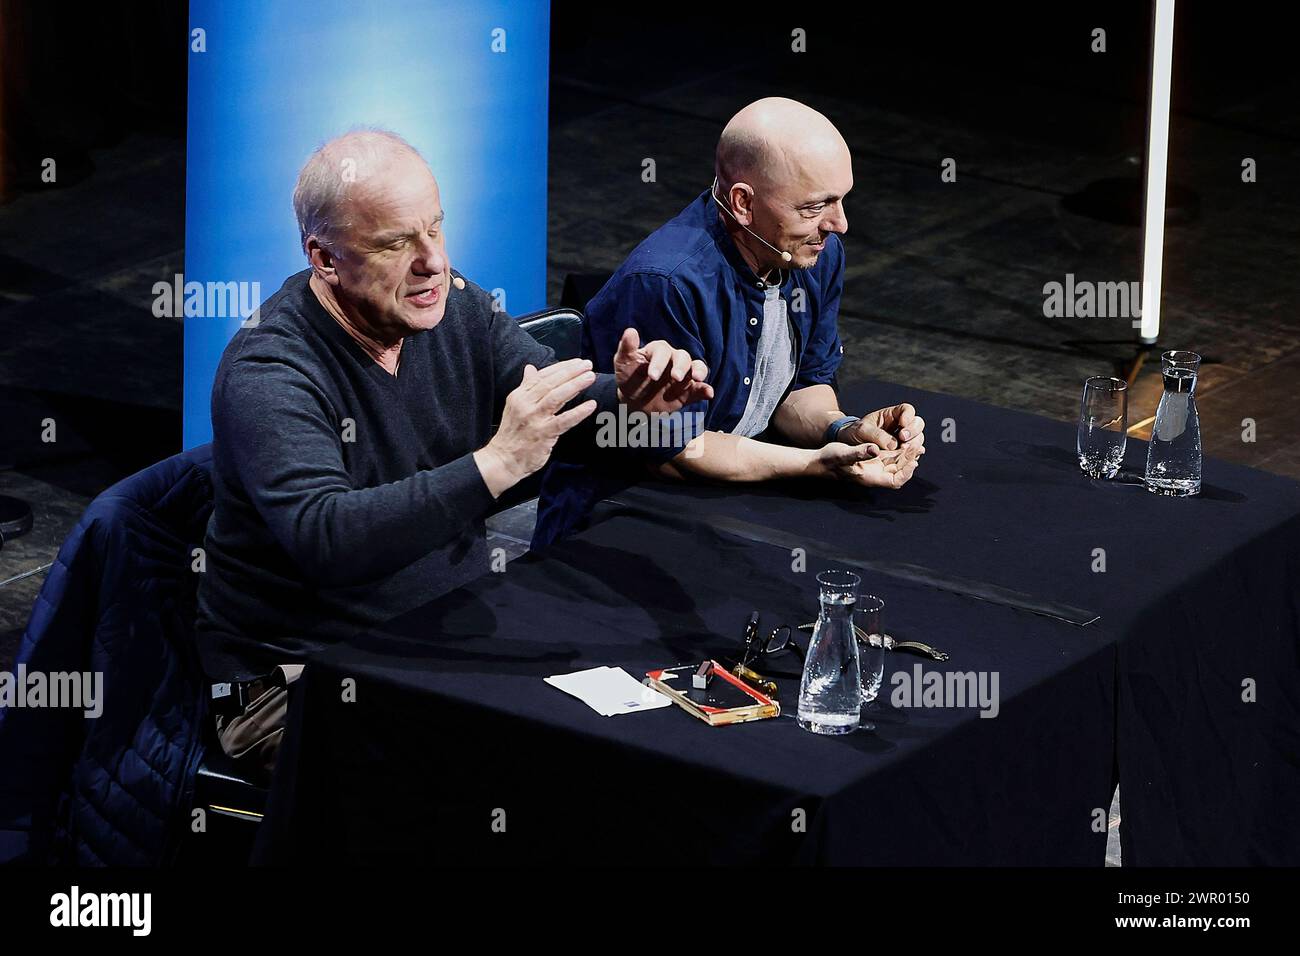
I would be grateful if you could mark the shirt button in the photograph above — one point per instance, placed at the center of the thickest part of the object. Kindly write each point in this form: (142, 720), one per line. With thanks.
(753, 321)
(747, 380)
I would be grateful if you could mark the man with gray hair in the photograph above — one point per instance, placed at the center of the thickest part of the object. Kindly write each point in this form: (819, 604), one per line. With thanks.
(749, 277)
(354, 451)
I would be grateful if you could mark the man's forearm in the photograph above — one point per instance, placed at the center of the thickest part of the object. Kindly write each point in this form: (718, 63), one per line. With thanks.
(724, 457)
(805, 415)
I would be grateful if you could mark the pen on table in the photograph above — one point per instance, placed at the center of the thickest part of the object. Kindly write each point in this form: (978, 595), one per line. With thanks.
(763, 684)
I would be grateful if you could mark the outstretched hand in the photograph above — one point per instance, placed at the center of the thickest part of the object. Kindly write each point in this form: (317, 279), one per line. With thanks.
(657, 377)
(533, 420)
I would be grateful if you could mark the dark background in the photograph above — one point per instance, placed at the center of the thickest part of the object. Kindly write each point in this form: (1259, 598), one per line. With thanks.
(944, 283)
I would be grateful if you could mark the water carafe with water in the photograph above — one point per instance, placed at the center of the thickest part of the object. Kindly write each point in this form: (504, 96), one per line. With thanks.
(1174, 454)
(830, 693)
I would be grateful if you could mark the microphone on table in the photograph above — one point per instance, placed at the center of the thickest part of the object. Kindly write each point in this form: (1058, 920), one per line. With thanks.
(713, 191)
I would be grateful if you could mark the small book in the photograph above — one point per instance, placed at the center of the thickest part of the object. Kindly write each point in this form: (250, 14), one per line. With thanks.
(726, 699)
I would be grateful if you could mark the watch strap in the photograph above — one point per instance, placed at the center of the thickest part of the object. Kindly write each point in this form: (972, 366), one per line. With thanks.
(834, 428)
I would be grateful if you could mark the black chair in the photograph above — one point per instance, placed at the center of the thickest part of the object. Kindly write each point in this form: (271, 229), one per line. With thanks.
(560, 328)
(233, 806)
(119, 602)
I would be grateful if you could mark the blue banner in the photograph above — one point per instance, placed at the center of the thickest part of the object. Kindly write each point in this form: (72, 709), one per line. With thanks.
(465, 83)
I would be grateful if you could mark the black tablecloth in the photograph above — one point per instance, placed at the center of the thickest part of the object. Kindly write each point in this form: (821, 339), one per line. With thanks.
(452, 722)
(1203, 592)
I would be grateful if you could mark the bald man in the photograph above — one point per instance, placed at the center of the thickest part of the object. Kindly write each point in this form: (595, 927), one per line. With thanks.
(748, 277)
(364, 428)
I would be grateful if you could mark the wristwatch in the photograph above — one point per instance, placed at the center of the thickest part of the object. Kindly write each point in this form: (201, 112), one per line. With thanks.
(834, 428)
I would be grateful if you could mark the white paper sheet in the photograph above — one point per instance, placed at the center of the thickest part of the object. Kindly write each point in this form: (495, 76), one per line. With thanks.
(609, 691)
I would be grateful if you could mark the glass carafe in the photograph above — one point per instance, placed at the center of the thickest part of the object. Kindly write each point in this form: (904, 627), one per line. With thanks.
(830, 693)
(1174, 454)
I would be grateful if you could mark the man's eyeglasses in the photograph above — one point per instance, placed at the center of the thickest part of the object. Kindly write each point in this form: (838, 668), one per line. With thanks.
(759, 649)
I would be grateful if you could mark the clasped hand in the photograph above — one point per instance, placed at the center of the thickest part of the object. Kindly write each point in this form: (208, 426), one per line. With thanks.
(654, 378)
(880, 451)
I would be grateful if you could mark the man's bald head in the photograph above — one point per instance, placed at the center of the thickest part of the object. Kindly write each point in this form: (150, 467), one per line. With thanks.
(771, 140)
(783, 170)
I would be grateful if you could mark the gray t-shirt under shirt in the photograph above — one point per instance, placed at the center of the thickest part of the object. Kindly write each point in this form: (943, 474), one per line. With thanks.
(775, 363)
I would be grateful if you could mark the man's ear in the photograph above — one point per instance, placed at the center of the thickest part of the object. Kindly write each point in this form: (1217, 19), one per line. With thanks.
(742, 203)
(321, 259)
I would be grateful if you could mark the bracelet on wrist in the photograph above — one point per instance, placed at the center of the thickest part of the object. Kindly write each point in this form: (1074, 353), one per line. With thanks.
(834, 428)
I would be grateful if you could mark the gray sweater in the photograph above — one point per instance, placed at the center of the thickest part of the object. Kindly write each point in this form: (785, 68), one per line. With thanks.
(346, 496)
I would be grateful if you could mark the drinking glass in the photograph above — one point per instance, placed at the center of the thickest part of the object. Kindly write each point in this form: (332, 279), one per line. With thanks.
(871, 650)
(1103, 426)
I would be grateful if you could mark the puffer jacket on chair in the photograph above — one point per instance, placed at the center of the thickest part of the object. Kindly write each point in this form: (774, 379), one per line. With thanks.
(119, 600)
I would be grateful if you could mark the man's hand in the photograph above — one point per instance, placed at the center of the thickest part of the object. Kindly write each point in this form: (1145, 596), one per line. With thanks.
(891, 428)
(867, 464)
(530, 425)
(657, 377)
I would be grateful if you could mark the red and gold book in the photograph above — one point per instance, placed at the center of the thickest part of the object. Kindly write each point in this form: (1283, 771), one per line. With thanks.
(725, 700)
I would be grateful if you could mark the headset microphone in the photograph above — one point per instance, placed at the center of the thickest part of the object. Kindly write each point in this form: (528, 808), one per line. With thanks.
(713, 191)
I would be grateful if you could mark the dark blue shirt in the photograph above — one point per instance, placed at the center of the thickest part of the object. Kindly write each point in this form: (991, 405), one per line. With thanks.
(686, 283)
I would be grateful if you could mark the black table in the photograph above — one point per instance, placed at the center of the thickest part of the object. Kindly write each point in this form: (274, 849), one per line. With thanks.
(452, 723)
(1203, 594)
